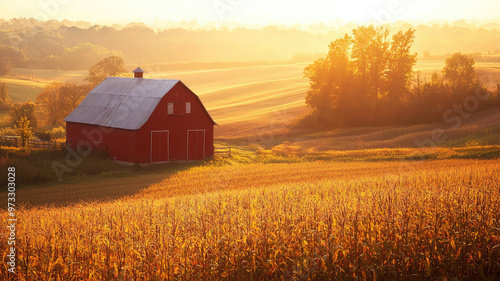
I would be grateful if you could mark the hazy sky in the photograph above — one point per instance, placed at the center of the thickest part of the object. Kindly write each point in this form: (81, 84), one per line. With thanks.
(251, 11)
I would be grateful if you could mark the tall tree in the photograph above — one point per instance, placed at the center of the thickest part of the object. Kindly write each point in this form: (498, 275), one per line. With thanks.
(24, 129)
(349, 85)
(400, 65)
(460, 73)
(110, 66)
(329, 78)
(370, 48)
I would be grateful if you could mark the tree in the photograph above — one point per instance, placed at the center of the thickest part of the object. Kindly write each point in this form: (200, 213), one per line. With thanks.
(399, 72)
(6, 65)
(24, 130)
(83, 55)
(9, 57)
(59, 99)
(363, 77)
(460, 73)
(110, 66)
(330, 79)
(370, 54)
(25, 110)
(4, 95)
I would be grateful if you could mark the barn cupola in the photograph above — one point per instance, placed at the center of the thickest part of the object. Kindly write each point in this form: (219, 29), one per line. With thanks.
(138, 72)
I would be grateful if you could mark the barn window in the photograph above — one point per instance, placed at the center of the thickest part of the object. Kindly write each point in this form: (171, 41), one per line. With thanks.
(170, 108)
(188, 108)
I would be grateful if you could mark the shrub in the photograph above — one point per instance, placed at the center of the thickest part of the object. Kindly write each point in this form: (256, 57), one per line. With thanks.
(44, 135)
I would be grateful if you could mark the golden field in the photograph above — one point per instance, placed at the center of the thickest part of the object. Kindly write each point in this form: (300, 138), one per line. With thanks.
(321, 220)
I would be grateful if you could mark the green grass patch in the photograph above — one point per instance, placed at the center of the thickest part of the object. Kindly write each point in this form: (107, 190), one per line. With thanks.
(490, 136)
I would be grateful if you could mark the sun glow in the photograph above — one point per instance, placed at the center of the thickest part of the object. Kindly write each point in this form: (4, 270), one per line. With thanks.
(252, 12)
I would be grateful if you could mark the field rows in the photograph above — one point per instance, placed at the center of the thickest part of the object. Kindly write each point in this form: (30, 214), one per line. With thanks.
(294, 223)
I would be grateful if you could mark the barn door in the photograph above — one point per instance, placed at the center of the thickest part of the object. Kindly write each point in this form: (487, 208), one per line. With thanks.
(159, 146)
(195, 145)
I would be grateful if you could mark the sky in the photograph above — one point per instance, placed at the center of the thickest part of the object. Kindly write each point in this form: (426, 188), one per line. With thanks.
(260, 12)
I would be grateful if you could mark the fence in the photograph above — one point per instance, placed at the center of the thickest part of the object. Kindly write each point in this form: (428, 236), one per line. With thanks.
(224, 150)
(16, 141)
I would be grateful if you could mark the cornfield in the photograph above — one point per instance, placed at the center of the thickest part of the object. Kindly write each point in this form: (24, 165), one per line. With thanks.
(430, 224)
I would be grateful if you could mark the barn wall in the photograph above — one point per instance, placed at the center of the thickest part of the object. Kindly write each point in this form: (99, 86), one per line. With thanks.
(177, 125)
(118, 143)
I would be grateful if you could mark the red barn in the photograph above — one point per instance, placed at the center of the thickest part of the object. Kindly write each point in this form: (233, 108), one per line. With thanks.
(139, 120)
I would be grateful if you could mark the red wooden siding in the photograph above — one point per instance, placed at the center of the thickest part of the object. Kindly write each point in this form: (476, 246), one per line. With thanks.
(164, 137)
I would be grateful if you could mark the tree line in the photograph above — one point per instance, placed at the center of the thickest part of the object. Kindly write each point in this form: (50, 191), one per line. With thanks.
(29, 43)
(57, 100)
(367, 78)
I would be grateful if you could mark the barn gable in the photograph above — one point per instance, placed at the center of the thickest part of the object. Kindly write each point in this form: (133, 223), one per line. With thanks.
(124, 103)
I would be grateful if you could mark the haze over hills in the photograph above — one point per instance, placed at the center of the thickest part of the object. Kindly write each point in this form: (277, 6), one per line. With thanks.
(73, 45)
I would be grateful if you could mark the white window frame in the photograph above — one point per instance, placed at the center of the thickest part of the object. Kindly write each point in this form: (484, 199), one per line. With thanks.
(188, 108)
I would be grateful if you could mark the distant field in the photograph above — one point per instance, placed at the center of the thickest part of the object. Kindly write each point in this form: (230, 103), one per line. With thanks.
(248, 102)
(23, 90)
(26, 84)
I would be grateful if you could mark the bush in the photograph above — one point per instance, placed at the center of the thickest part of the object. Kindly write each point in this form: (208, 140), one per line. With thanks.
(44, 135)
(58, 133)
(8, 131)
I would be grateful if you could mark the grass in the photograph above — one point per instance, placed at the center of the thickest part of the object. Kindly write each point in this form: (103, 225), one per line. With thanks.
(489, 136)
(26, 84)
(383, 154)
(23, 93)
(332, 221)
(84, 179)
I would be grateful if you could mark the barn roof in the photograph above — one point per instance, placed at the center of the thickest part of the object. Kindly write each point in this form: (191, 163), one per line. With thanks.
(125, 103)
(139, 69)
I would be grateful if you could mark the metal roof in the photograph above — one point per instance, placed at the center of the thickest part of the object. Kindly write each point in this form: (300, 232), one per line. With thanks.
(125, 103)
(138, 70)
